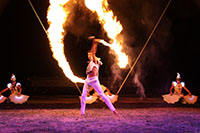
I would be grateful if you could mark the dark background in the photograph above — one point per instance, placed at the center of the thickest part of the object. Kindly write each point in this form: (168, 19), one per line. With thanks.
(173, 48)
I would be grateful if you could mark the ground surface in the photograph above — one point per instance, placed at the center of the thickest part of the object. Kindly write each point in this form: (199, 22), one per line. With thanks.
(177, 119)
(62, 114)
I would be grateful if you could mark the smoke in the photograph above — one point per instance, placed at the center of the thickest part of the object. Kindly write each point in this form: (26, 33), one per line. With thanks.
(154, 63)
(140, 88)
(116, 78)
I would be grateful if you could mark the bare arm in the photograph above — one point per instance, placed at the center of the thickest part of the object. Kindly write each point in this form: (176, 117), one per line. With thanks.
(171, 90)
(187, 90)
(94, 46)
(90, 91)
(97, 40)
(20, 89)
(3, 90)
(93, 51)
(108, 91)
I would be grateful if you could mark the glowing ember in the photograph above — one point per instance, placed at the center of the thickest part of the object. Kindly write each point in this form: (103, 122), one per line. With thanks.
(111, 26)
(57, 16)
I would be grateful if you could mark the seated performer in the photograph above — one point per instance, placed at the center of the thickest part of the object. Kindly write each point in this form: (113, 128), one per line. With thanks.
(92, 79)
(178, 85)
(11, 88)
(113, 98)
(13, 92)
(174, 97)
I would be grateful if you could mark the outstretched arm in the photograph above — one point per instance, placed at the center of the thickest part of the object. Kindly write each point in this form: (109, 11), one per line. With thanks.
(96, 40)
(187, 90)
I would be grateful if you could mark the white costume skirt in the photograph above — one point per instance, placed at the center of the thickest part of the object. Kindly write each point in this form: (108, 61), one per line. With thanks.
(2, 98)
(171, 98)
(18, 99)
(190, 99)
(113, 98)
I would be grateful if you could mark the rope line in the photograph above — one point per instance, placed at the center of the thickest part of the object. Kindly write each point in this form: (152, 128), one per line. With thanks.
(37, 16)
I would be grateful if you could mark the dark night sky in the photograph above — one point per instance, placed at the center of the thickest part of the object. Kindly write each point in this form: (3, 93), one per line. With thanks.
(25, 50)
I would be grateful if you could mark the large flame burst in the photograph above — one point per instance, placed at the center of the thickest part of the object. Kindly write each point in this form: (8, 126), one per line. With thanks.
(57, 15)
(111, 26)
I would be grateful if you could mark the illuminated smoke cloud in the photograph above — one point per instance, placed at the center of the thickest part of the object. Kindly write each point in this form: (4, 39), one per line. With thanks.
(140, 88)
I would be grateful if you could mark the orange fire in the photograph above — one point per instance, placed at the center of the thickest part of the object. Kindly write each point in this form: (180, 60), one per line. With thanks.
(111, 26)
(57, 16)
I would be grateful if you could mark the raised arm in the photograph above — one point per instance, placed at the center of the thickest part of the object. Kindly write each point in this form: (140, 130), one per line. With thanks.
(93, 50)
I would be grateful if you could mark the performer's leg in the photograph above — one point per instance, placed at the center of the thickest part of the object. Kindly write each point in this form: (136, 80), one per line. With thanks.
(83, 97)
(99, 90)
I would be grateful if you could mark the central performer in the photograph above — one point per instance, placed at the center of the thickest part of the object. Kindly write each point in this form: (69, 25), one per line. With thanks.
(92, 79)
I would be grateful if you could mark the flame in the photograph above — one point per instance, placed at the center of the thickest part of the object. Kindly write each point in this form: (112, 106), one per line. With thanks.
(111, 26)
(57, 16)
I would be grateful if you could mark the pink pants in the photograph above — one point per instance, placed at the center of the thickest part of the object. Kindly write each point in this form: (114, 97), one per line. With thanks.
(94, 82)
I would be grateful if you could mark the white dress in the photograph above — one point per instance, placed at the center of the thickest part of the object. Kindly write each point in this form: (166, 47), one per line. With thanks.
(15, 97)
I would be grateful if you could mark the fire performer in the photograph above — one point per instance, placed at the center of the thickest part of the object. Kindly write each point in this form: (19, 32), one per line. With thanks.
(178, 86)
(92, 78)
(13, 92)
